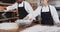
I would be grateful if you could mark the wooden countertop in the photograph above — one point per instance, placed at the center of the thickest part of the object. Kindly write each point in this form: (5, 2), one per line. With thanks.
(22, 28)
(16, 30)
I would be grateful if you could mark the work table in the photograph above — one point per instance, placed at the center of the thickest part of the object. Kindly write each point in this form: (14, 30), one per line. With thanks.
(37, 26)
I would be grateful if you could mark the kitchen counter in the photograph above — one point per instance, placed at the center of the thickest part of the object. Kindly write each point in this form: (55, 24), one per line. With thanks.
(8, 27)
(17, 29)
(42, 28)
(32, 27)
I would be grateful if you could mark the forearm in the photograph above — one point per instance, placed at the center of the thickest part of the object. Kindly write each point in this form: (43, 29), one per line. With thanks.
(12, 7)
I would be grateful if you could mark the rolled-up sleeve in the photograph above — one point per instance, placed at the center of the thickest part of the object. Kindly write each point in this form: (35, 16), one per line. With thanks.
(28, 8)
(35, 13)
(14, 6)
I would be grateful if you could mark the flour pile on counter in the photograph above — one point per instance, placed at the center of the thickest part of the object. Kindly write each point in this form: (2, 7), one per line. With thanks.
(7, 26)
(39, 28)
(23, 22)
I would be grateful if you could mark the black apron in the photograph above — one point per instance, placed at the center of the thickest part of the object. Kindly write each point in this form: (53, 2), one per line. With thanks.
(46, 18)
(22, 12)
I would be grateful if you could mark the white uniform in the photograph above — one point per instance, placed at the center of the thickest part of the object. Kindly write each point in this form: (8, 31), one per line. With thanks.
(16, 5)
(27, 7)
(45, 9)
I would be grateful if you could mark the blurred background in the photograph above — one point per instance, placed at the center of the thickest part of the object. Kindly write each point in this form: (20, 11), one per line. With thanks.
(11, 16)
(34, 4)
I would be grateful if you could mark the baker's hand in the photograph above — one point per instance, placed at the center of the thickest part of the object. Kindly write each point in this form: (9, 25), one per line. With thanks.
(23, 22)
(2, 9)
(26, 18)
(58, 22)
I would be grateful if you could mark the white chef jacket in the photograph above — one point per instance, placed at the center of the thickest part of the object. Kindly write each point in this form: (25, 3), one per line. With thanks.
(27, 7)
(45, 9)
(16, 5)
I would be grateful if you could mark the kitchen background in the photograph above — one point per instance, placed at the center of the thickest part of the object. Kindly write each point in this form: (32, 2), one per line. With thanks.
(34, 4)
